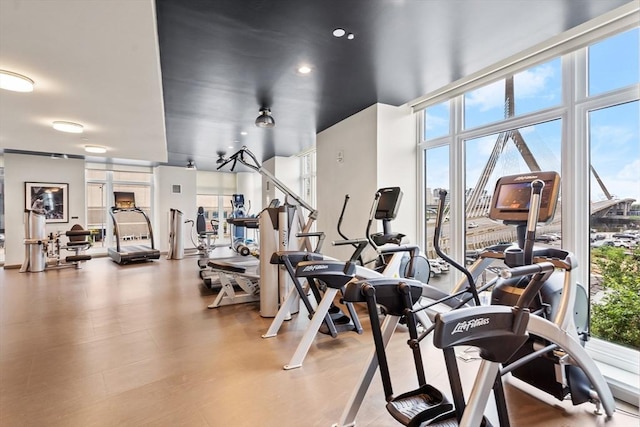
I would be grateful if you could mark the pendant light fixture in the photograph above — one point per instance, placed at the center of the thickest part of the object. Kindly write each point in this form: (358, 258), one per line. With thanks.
(265, 120)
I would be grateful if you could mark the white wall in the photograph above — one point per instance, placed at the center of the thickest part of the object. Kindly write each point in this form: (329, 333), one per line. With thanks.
(216, 182)
(250, 184)
(377, 146)
(287, 170)
(397, 149)
(165, 199)
(21, 168)
(355, 140)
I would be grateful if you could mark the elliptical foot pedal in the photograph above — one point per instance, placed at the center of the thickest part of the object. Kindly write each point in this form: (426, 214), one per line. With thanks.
(418, 406)
(341, 324)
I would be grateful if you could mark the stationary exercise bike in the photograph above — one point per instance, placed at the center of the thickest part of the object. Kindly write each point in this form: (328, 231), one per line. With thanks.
(557, 342)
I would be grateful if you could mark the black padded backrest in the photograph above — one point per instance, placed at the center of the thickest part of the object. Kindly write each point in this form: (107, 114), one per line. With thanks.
(77, 234)
(201, 224)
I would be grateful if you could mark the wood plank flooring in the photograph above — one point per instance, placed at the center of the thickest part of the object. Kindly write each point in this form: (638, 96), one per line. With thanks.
(135, 345)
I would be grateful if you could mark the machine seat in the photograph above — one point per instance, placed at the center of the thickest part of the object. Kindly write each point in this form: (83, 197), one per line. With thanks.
(225, 266)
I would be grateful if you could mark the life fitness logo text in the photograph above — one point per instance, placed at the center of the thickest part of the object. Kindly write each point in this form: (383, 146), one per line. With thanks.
(315, 267)
(470, 324)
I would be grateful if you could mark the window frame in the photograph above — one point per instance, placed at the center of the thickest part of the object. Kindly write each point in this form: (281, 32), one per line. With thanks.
(574, 113)
(108, 184)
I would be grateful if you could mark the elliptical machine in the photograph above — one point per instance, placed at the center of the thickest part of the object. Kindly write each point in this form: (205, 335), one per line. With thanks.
(542, 362)
(551, 355)
(394, 260)
(558, 342)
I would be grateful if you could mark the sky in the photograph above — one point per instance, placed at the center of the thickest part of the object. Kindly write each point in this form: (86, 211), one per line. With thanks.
(614, 132)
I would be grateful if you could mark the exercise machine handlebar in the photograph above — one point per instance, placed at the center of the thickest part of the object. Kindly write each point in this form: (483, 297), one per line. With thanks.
(441, 254)
(339, 226)
(526, 270)
(248, 159)
(360, 245)
(372, 216)
(532, 221)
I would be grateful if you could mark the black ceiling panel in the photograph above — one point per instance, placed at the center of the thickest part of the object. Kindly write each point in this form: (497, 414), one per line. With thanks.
(222, 60)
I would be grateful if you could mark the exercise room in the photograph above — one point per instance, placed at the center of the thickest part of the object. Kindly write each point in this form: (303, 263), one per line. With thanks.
(320, 213)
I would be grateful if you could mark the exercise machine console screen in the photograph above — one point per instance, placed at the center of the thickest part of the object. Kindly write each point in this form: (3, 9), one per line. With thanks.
(389, 203)
(512, 196)
(124, 199)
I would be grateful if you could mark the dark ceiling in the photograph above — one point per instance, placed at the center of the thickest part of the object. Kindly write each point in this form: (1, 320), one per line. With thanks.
(222, 60)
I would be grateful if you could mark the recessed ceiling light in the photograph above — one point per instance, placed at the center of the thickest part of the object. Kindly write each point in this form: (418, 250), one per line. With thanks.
(68, 127)
(339, 32)
(15, 82)
(95, 149)
(243, 133)
(351, 36)
(304, 69)
(230, 147)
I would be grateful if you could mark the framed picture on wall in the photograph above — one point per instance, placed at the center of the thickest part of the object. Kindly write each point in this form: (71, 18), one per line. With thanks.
(49, 199)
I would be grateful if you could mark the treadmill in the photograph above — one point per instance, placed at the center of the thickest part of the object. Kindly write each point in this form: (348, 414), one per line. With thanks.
(125, 202)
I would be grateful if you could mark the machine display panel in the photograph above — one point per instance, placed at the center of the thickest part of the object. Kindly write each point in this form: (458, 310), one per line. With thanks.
(124, 199)
(512, 197)
(389, 203)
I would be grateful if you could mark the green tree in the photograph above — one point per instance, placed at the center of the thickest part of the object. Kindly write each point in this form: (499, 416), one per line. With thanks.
(616, 317)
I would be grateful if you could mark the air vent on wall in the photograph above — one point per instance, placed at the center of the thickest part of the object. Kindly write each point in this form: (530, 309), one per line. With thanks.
(176, 189)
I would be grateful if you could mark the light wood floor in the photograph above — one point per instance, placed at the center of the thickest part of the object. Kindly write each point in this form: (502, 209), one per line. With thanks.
(135, 345)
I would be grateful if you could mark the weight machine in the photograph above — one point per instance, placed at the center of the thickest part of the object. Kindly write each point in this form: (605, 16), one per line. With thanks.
(43, 251)
(205, 238)
(281, 228)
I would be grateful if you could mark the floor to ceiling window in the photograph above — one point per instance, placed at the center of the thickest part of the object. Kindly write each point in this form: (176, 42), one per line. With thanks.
(308, 176)
(613, 130)
(578, 114)
(101, 184)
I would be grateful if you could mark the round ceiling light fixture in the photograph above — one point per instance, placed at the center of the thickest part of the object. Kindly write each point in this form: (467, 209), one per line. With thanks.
(15, 82)
(96, 149)
(69, 127)
(304, 69)
(264, 120)
(339, 32)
